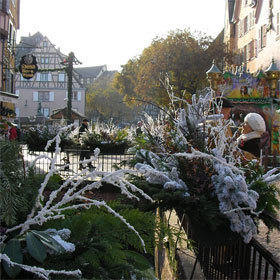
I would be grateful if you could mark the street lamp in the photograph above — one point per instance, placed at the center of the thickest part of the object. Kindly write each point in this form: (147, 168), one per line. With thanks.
(214, 75)
(68, 62)
(272, 76)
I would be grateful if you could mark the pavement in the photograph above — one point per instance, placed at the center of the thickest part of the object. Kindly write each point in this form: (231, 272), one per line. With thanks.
(186, 257)
(274, 245)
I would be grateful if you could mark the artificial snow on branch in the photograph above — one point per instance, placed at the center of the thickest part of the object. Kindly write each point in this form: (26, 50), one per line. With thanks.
(72, 191)
(41, 272)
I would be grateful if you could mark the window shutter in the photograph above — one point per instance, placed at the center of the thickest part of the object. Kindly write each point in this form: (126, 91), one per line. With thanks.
(35, 95)
(264, 35)
(252, 49)
(278, 24)
(239, 29)
(260, 39)
(79, 96)
(51, 96)
(38, 77)
(66, 94)
(256, 47)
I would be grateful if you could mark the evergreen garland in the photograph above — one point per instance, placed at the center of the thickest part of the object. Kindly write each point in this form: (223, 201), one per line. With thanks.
(11, 175)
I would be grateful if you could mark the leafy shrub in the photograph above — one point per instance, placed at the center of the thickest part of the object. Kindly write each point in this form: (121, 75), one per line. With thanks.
(105, 247)
(36, 138)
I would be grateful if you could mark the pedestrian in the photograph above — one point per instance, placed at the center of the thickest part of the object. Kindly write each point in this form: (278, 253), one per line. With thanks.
(220, 113)
(139, 128)
(85, 153)
(252, 131)
(13, 132)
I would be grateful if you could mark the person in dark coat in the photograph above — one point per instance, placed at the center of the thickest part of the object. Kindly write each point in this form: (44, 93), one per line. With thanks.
(252, 130)
(84, 154)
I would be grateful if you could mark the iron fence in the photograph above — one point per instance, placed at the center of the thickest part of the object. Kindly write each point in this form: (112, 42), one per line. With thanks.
(67, 161)
(233, 259)
(270, 161)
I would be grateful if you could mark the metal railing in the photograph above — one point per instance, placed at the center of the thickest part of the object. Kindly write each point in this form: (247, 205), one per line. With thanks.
(67, 161)
(270, 161)
(233, 259)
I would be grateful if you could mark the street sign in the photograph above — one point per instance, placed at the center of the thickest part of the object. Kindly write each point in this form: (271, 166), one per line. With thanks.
(28, 66)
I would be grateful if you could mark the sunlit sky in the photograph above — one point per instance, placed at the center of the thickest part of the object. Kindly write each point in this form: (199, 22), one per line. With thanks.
(111, 32)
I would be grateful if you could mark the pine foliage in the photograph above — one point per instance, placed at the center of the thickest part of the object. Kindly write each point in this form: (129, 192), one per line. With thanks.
(105, 247)
(11, 173)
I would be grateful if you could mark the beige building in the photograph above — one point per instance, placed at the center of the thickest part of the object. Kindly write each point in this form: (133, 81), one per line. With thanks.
(252, 31)
(47, 91)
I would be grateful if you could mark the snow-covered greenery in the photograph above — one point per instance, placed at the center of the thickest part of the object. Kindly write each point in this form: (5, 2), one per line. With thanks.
(187, 151)
(105, 136)
(69, 196)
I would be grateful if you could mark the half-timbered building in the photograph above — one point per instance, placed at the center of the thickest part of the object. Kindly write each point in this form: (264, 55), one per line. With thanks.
(47, 90)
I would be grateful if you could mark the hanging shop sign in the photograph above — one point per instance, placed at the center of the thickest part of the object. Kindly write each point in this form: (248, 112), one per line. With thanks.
(28, 66)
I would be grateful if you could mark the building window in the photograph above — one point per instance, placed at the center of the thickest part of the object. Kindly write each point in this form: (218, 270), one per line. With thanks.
(76, 96)
(245, 25)
(245, 54)
(17, 112)
(278, 24)
(45, 44)
(44, 60)
(43, 96)
(262, 37)
(251, 48)
(44, 77)
(11, 36)
(252, 19)
(241, 28)
(45, 112)
(61, 77)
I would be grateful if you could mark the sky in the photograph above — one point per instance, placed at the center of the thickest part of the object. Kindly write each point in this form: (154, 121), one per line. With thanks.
(110, 32)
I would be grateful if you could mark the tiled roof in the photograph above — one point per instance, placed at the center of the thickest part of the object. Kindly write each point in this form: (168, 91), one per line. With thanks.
(64, 110)
(26, 43)
(90, 72)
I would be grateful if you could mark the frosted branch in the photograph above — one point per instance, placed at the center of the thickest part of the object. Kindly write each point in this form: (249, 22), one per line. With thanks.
(41, 272)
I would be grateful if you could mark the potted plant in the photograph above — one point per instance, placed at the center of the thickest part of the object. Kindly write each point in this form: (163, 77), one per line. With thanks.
(191, 166)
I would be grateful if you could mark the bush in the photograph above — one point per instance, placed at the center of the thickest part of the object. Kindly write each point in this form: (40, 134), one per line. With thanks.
(105, 247)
